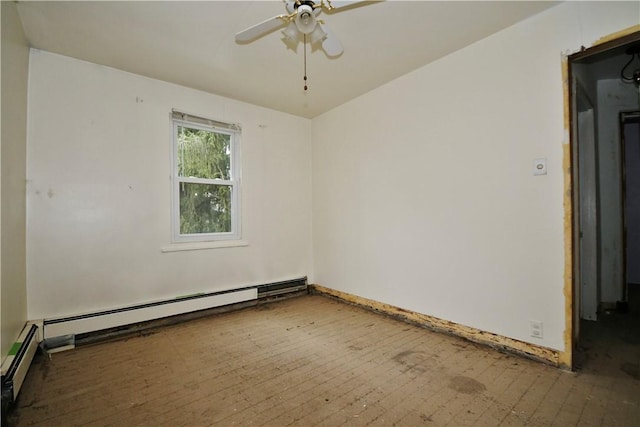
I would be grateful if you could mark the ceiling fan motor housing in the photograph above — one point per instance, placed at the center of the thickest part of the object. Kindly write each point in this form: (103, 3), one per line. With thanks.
(309, 3)
(305, 18)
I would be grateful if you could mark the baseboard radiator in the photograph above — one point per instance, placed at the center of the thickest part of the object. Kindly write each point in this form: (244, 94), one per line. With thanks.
(16, 365)
(64, 332)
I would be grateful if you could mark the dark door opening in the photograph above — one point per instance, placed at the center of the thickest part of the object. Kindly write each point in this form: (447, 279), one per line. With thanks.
(605, 163)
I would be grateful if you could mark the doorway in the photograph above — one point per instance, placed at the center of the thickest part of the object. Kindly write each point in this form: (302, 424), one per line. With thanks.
(605, 164)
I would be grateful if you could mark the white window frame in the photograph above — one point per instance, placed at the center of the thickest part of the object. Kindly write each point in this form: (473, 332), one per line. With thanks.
(233, 130)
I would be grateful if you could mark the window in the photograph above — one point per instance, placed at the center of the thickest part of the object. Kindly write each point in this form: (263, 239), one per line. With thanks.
(206, 179)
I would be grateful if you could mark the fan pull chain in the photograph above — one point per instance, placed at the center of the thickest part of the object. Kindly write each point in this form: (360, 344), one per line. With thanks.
(305, 61)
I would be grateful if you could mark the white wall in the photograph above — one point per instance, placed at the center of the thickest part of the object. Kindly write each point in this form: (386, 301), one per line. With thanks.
(613, 97)
(99, 146)
(13, 290)
(584, 73)
(424, 196)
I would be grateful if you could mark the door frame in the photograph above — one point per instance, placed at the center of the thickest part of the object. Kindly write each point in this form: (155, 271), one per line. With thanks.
(571, 189)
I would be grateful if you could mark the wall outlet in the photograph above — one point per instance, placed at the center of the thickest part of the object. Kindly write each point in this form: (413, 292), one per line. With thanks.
(535, 327)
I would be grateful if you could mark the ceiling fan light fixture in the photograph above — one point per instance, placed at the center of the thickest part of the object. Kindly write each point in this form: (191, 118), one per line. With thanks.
(291, 32)
(302, 20)
(317, 35)
(305, 19)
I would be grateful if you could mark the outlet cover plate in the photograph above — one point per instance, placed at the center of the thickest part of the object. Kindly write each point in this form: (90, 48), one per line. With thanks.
(535, 326)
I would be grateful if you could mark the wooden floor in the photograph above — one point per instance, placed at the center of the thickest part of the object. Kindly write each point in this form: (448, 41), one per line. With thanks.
(315, 361)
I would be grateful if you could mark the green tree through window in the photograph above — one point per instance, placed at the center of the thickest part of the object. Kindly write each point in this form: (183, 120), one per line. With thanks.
(205, 181)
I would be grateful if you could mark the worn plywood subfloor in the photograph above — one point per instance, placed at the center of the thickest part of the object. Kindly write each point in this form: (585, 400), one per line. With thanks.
(313, 361)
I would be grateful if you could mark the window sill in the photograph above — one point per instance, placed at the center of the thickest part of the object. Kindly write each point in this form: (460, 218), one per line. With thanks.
(195, 246)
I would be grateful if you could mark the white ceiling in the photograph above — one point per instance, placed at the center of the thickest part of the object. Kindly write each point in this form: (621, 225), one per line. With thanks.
(192, 43)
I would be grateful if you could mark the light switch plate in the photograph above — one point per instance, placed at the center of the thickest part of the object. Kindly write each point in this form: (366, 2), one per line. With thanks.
(540, 167)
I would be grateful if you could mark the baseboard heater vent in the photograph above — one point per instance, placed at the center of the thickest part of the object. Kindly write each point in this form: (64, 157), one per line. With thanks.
(279, 288)
(15, 367)
(66, 330)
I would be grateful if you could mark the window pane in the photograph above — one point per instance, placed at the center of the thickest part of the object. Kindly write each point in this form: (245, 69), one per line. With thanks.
(205, 208)
(203, 154)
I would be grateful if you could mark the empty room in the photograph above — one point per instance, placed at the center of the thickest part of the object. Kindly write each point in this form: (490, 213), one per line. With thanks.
(320, 213)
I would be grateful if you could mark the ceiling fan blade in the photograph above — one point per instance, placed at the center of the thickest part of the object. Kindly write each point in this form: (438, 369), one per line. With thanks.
(331, 45)
(262, 28)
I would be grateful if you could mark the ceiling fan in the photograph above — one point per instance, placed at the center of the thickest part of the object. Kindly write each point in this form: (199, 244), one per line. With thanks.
(301, 18)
